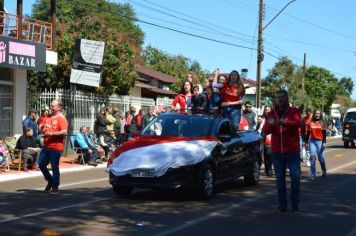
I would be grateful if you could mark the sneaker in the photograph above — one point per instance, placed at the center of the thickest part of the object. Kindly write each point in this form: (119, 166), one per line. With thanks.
(54, 191)
(35, 168)
(324, 175)
(91, 163)
(308, 163)
(48, 188)
(279, 210)
(24, 169)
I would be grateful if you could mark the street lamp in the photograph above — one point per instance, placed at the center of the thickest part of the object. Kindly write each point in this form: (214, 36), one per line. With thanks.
(260, 47)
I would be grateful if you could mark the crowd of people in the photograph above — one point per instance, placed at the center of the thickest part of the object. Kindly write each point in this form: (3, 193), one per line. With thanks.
(288, 137)
(111, 128)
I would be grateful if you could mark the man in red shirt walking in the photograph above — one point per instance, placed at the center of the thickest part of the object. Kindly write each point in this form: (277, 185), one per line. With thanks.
(283, 122)
(54, 128)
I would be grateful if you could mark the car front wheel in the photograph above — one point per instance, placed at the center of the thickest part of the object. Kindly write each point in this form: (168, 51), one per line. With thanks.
(253, 177)
(205, 182)
(122, 190)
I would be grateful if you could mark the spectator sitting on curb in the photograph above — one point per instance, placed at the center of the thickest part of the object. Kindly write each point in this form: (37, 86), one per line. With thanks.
(30, 150)
(83, 141)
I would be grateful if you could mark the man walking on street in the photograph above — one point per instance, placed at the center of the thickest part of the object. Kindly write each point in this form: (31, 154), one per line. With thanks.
(54, 128)
(283, 123)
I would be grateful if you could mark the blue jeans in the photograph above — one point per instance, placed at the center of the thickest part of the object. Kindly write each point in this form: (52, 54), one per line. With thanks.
(50, 156)
(280, 162)
(234, 114)
(93, 155)
(316, 150)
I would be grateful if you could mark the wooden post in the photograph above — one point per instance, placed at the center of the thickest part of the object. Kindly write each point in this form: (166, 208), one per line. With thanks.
(303, 78)
(19, 19)
(54, 23)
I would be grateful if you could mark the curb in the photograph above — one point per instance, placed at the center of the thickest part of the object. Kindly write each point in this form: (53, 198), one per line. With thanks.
(23, 175)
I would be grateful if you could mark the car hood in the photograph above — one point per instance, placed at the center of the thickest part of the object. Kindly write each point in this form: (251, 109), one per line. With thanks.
(161, 153)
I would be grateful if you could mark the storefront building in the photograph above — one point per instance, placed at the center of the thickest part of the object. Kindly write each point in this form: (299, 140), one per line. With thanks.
(20, 52)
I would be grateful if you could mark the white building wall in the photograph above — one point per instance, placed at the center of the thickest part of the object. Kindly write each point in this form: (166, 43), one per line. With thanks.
(20, 92)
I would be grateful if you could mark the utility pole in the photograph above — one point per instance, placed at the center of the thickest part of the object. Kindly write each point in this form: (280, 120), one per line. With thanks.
(260, 47)
(303, 77)
(259, 55)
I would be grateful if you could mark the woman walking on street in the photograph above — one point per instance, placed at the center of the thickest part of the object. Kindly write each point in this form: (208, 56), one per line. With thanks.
(317, 135)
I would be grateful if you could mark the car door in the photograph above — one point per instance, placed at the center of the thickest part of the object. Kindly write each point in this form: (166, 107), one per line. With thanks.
(228, 161)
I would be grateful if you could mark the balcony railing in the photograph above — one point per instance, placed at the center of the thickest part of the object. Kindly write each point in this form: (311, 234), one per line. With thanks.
(33, 30)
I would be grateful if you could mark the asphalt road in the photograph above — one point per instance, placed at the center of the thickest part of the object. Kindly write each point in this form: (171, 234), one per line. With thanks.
(88, 206)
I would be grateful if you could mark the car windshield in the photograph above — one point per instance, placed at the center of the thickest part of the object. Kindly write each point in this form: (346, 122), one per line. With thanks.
(184, 126)
(350, 116)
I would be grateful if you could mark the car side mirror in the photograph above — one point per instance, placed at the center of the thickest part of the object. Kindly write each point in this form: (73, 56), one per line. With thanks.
(224, 137)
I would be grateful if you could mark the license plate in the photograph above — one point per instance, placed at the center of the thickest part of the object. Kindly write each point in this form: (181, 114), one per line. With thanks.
(143, 173)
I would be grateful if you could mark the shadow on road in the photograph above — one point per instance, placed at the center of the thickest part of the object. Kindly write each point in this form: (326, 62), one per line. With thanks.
(95, 211)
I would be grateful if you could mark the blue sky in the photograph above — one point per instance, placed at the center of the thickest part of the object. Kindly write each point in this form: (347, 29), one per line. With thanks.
(323, 29)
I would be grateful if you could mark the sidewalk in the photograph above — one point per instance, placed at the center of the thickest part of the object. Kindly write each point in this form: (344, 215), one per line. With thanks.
(66, 165)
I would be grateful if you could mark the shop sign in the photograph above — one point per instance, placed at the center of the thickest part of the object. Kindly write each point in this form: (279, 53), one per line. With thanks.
(22, 54)
(87, 62)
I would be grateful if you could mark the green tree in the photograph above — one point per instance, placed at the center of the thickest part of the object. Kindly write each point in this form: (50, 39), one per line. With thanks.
(346, 86)
(284, 75)
(118, 16)
(121, 48)
(322, 87)
(344, 101)
(176, 66)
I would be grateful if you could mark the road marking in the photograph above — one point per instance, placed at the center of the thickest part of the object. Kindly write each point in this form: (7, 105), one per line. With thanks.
(62, 186)
(212, 214)
(342, 166)
(352, 232)
(233, 206)
(80, 182)
(53, 210)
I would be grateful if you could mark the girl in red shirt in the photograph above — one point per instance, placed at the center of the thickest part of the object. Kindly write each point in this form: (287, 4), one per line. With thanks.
(316, 132)
(232, 95)
(183, 100)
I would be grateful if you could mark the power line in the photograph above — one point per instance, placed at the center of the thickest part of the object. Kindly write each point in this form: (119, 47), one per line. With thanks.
(205, 24)
(318, 26)
(174, 30)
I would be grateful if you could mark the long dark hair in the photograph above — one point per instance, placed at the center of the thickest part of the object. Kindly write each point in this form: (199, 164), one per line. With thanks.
(239, 83)
(182, 91)
(321, 119)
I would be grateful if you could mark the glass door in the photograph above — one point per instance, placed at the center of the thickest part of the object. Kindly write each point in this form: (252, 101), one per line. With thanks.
(6, 102)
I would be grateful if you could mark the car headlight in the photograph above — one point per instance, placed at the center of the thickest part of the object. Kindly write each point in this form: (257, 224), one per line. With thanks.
(347, 131)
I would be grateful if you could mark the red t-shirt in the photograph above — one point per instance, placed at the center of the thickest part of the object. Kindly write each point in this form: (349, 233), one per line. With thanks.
(316, 130)
(230, 93)
(54, 124)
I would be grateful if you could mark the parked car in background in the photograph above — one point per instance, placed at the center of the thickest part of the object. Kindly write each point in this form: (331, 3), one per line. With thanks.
(349, 128)
(186, 151)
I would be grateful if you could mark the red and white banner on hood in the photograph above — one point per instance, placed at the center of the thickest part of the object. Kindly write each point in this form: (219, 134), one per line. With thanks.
(162, 154)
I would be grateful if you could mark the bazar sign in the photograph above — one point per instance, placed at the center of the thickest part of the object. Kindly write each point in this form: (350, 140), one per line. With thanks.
(21, 54)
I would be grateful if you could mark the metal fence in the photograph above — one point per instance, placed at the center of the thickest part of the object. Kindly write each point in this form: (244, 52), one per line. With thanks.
(87, 105)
